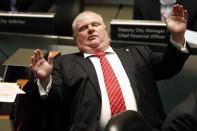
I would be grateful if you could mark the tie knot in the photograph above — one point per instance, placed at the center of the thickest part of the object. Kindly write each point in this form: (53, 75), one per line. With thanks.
(100, 54)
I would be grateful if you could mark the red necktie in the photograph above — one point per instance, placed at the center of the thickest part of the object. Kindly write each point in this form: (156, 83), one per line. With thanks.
(113, 88)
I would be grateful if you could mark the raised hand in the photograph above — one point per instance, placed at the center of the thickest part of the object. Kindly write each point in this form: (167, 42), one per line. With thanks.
(177, 23)
(40, 67)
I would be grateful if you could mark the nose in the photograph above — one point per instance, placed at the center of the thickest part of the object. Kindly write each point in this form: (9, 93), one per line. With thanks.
(90, 28)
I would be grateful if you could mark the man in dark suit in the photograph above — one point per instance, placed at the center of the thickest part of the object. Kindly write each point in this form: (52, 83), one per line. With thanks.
(4, 5)
(184, 116)
(72, 87)
(151, 10)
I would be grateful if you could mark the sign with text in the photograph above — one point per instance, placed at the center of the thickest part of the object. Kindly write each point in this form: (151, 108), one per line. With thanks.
(30, 23)
(139, 31)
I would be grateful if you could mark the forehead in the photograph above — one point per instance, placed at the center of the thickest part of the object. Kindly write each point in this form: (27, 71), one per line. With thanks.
(88, 18)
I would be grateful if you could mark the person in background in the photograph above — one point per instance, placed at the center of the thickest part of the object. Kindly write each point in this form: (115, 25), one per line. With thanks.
(34, 5)
(74, 89)
(27, 5)
(156, 9)
(62, 19)
(5, 5)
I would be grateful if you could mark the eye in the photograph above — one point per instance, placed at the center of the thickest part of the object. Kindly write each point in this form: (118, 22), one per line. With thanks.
(82, 28)
(85, 27)
(96, 24)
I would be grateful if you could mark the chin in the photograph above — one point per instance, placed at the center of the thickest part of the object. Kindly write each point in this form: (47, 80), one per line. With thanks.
(94, 45)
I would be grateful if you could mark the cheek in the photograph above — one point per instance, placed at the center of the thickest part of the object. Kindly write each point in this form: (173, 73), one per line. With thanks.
(103, 32)
(81, 40)
(103, 35)
(82, 37)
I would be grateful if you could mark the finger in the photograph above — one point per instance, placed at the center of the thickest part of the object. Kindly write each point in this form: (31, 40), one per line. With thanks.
(35, 59)
(181, 11)
(185, 14)
(176, 10)
(40, 55)
(36, 56)
(32, 61)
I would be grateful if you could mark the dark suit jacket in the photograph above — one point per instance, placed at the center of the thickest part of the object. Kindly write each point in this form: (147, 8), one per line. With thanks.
(74, 101)
(184, 116)
(150, 10)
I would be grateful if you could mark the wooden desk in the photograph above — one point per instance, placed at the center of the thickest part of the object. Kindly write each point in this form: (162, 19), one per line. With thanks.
(5, 123)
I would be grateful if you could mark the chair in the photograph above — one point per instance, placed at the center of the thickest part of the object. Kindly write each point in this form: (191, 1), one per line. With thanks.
(127, 121)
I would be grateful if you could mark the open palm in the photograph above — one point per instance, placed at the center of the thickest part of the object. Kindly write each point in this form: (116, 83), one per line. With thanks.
(177, 23)
(39, 66)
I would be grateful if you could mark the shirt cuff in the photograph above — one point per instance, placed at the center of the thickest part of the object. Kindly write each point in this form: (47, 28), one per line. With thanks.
(179, 46)
(41, 90)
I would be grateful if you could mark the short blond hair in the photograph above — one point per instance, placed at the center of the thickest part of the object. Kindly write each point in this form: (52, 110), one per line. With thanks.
(80, 14)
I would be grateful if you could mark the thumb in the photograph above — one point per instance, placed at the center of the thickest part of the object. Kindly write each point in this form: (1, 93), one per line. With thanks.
(50, 58)
(165, 18)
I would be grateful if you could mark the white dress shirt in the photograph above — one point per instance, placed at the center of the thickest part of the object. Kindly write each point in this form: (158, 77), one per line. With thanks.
(123, 80)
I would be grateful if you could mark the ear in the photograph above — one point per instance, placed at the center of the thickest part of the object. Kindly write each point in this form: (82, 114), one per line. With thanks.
(105, 27)
(74, 37)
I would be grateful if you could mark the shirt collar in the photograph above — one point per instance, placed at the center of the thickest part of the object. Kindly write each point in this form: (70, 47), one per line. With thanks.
(108, 51)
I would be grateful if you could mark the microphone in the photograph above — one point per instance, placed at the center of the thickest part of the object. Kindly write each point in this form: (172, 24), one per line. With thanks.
(4, 54)
(119, 8)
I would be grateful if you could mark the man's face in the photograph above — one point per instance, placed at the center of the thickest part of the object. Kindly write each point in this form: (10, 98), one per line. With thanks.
(91, 34)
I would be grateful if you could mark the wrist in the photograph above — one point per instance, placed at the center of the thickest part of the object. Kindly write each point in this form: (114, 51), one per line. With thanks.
(180, 39)
(44, 82)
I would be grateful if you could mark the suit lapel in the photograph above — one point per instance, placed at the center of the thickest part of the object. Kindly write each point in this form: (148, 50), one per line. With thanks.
(88, 67)
(125, 58)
